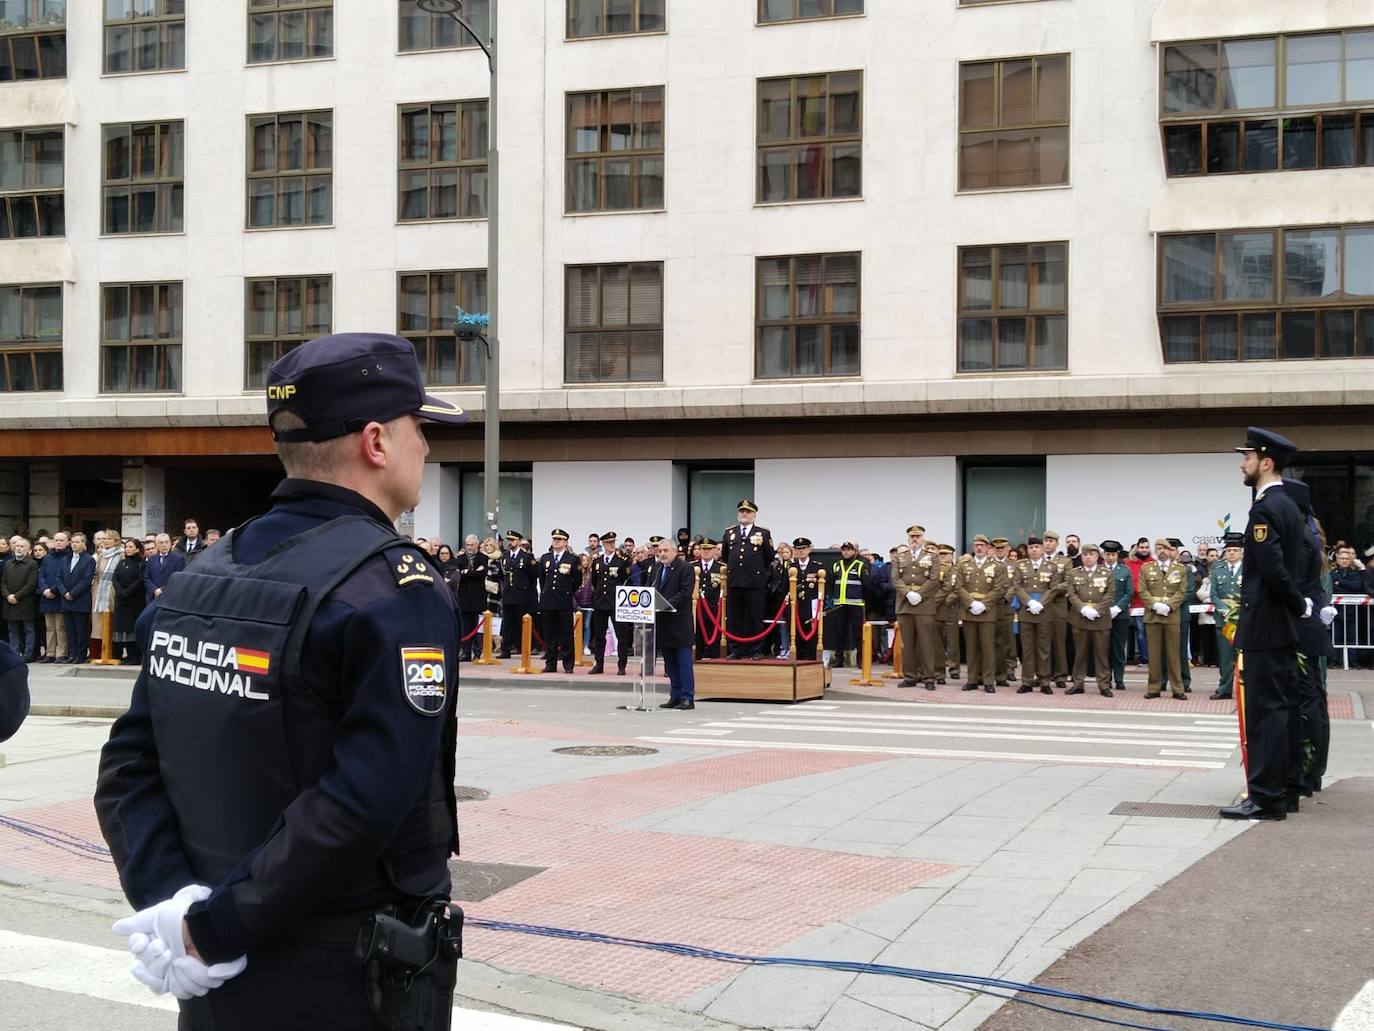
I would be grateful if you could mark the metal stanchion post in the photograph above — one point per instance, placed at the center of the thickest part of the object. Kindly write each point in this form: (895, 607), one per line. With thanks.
(865, 676)
(526, 645)
(898, 658)
(486, 659)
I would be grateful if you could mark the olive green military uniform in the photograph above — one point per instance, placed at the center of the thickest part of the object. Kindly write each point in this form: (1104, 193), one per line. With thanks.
(1059, 616)
(1006, 621)
(1168, 585)
(1041, 582)
(1093, 590)
(986, 583)
(918, 573)
(948, 616)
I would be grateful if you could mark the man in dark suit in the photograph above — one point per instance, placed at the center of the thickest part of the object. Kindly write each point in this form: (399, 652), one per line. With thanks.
(748, 554)
(1266, 633)
(468, 580)
(76, 599)
(190, 545)
(673, 579)
(518, 575)
(158, 569)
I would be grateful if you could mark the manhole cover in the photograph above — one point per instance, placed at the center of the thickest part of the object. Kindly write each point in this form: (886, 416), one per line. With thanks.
(1170, 810)
(473, 882)
(468, 794)
(606, 751)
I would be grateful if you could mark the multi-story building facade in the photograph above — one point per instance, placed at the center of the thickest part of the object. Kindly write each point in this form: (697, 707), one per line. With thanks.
(986, 265)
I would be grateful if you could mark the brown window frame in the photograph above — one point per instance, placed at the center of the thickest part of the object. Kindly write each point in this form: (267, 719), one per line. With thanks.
(636, 18)
(27, 348)
(166, 183)
(636, 156)
(277, 10)
(1036, 127)
(476, 13)
(604, 331)
(32, 198)
(463, 169)
(171, 16)
(797, 16)
(828, 142)
(43, 39)
(306, 173)
(469, 357)
(281, 343)
(1278, 308)
(1362, 127)
(998, 313)
(168, 317)
(827, 321)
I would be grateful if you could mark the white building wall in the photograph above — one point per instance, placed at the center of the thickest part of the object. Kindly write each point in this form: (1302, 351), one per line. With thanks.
(632, 498)
(1196, 498)
(866, 500)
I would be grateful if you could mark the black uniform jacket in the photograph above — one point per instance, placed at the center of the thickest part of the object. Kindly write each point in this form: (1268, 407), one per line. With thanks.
(748, 557)
(1270, 602)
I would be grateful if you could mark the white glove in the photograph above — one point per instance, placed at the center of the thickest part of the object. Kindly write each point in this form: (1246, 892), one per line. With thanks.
(1034, 607)
(1162, 608)
(914, 597)
(492, 586)
(155, 939)
(1115, 610)
(1307, 613)
(1328, 615)
(1088, 612)
(977, 608)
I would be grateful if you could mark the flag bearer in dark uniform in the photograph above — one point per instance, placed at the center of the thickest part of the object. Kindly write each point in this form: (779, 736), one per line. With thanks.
(560, 574)
(518, 571)
(712, 572)
(1266, 633)
(1226, 577)
(808, 598)
(1038, 583)
(1123, 584)
(1314, 645)
(1006, 616)
(610, 569)
(920, 593)
(980, 583)
(748, 554)
(1092, 592)
(285, 769)
(848, 585)
(948, 614)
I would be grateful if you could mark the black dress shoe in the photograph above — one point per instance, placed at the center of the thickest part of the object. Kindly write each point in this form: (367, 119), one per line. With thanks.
(1217, 696)
(551, 669)
(909, 683)
(1187, 688)
(930, 685)
(568, 668)
(972, 687)
(1046, 689)
(1291, 803)
(940, 680)
(686, 705)
(1060, 684)
(620, 671)
(1248, 809)
(1106, 692)
(598, 668)
(954, 674)
(671, 703)
(1078, 690)
(990, 689)
(1001, 683)
(1011, 679)
(1023, 689)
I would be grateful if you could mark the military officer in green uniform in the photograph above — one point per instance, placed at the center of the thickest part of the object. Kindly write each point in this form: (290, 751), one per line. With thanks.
(1091, 592)
(1120, 611)
(948, 615)
(1059, 611)
(919, 593)
(1226, 577)
(1037, 583)
(980, 584)
(1163, 585)
(1006, 617)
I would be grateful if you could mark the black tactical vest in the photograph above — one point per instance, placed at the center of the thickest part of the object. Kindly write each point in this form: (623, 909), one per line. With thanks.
(223, 652)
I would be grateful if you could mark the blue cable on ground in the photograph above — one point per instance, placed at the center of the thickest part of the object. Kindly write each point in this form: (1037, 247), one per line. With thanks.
(999, 988)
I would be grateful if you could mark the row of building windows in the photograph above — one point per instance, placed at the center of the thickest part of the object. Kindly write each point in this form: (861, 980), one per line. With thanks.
(1243, 295)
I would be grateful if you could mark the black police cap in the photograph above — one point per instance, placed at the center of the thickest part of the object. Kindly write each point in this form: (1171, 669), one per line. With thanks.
(1234, 539)
(609, 535)
(338, 384)
(1300, 492)
(1111, 546)
(1033, 540)
(801, 542)
(1269, 444)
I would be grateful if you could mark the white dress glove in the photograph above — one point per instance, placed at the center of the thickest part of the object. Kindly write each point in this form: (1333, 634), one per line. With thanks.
(1307, 612)
(977, 608)
(159, 950)
(1162, 608)
(1034, 607)
(914, 597)
(1328, 615)
(1115, 610)
(1088, 612)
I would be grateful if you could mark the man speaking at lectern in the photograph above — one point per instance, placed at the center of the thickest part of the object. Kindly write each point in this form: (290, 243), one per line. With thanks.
(672, 579)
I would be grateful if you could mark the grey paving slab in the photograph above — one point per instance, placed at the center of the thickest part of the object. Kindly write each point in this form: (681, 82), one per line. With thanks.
(981, 828)
(1164, 833)
(1133, 857)
(888, 832)
(780, 997)
(950, 848)
(891, 918)
(776, 834)
(852, 1015)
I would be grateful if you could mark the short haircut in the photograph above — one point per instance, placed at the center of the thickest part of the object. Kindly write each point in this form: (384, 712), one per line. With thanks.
(307, 459)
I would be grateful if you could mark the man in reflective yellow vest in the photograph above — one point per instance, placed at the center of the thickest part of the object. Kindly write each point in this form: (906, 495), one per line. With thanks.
(849, 581)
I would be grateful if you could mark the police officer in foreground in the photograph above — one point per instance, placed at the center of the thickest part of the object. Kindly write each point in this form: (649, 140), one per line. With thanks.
(748, 554)
(284, 774)
(1266, 632)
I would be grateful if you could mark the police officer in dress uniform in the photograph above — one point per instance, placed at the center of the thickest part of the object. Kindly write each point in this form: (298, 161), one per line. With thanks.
(518, 572)
(1092, 591)
(560, 574)
(1314, 645)
(1006, 615)
(711, 573)
(920, 593)
(285, 769)
(1226, 577)
(1058, 611)
(1163, 585)
(1038, 583)
(748, 554)
(1123, 589)
(1266, 632)
(980, 582)
(948, 614)
(808, 599)
(610, 569)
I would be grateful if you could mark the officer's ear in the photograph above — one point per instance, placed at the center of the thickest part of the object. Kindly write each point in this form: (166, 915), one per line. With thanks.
(376, 444)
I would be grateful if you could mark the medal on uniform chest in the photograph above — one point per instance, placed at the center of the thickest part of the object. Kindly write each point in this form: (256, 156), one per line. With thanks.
(565, 569)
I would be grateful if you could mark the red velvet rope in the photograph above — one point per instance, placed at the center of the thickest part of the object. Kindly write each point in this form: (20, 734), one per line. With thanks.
(757, 637)
(475, 630)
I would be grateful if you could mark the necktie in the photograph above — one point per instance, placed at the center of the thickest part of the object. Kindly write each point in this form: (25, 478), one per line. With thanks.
(662, 576)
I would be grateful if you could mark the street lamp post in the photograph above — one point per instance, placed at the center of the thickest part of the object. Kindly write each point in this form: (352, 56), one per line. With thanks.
(491, 462)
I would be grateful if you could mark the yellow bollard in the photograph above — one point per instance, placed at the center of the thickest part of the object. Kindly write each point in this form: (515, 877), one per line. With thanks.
(792, 612)
(865, 678)
(722, 645)
(579, 657)
(896, 673)
(106, 645)
(486, 659)
(526, 645)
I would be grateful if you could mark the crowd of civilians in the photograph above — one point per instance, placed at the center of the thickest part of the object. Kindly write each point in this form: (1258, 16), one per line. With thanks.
(57, 591)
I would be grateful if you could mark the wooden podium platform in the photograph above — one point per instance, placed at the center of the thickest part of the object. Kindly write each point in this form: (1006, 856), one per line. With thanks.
(768, 680)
